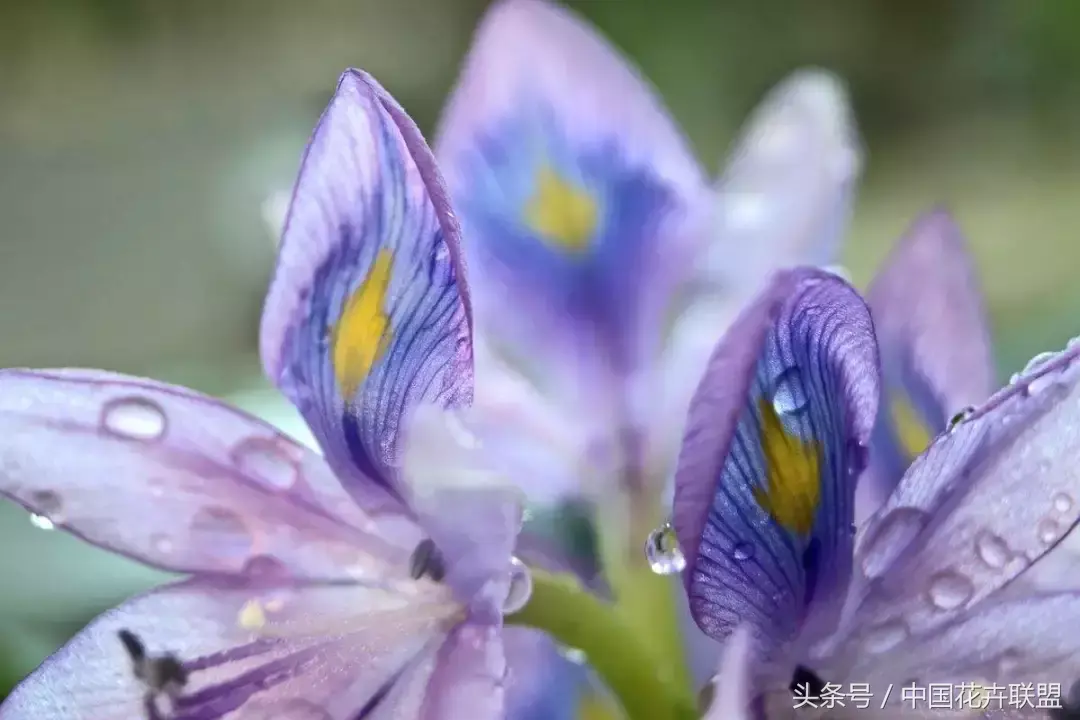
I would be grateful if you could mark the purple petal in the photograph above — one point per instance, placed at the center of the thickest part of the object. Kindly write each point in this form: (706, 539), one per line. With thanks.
(331, 651)
(469, 676)
(1005, 642)
(934, 337)
(367, 315)
(183, 482)
(987, 501)
(775, 439)
(581, 201)
(786, 196)
(733, 687)
(540, 683)
(461, 491)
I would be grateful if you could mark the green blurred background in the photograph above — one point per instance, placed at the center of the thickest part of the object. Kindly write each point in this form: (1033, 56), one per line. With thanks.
(139, 140)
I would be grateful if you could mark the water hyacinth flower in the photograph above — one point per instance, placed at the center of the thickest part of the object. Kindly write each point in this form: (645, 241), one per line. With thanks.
(603, 260)
(936, 354)
(367, 583)
(931, 589)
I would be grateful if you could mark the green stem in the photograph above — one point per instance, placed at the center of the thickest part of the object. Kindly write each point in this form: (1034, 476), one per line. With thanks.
(645, 599)
(576, 618)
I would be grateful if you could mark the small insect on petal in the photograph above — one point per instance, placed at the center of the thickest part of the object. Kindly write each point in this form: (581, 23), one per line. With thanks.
(427, 560)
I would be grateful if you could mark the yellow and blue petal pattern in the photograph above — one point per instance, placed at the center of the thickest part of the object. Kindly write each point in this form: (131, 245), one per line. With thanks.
(367, 316)
(776, 438)
(581, 202)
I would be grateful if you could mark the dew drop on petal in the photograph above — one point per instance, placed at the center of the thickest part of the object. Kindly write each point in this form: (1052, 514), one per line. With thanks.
(992, 550)
(662, 551)
(162, 544)
(266, 461)
(520, 587)
(573, 654)
(1048, 531)
(1062, 503)
(47, 504)
(1034, 363)
(789, 395)
(949, 590)
(884, 637)
(888, 538)
(742, 551)
(221, 533)
(958, 419)
(134, 418)
(41, 522)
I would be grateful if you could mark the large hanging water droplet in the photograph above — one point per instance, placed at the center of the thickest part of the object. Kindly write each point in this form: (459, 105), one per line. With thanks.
(949, 590)
(662, 551)
(742, 551)
(958, 419)
(992, 550)
(888, 538)
(220, 532)
(267, 462)
(789, 395)
(884, 637)
(134, 418)
(520, 587)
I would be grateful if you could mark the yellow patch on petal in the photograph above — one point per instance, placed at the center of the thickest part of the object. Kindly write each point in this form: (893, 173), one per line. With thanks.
(913, 434)
(363, 332)
(251, 615)
(562, 213)
(792, 487)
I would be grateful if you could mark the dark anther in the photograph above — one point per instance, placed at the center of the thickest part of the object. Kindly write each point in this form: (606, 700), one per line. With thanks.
(806, 683)
(163, 676)
(427, 560)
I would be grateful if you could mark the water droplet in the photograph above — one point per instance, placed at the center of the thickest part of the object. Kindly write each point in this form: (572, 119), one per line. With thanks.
(1048, 531)
(220, 532)
(134, 418)
(1034, 363)
(41, 522)
(267, 461)
(1062, 503)
(789, 395)
(520, 587)
(888, 538)
(949, 590)
(47, 504)
(884, 637)
(662, 551)
(956, 420)
(742, 551)
(162, 544)
(573, 654)
(992, 550)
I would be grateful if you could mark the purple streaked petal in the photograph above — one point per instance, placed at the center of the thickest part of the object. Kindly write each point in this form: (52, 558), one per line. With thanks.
(248, 649)
(1004, 642)
(734, 692)
(985, 503)
(183, 482)
(581, 201)
(776, 437)
(468, 678)
(367, 315)
(934, 338)
(786, 196)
